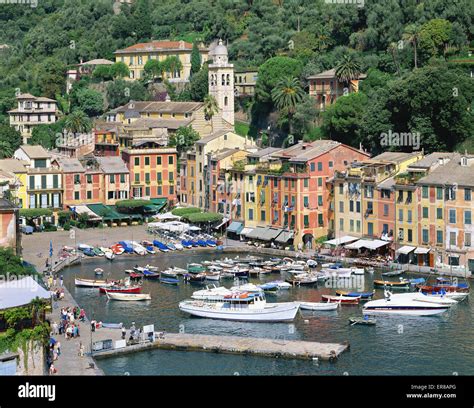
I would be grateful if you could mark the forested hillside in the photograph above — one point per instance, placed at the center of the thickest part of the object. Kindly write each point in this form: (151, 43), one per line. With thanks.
(409, 49)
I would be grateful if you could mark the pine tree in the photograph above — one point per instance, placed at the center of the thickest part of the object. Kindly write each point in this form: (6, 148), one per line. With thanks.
(195, 59)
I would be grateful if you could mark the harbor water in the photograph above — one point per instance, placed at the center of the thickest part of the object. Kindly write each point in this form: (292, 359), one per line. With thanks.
(396, 345)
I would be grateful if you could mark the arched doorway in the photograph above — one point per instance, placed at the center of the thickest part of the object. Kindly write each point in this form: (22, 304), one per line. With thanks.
(308, 241)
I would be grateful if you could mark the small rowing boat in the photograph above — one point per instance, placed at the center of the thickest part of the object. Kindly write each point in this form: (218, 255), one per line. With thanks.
(401, 284)
(169, 281)
(128, 296)
(362, 320)
(362, 295)
(345, 300)
(120, 289)
(92, 283)
(324, 306)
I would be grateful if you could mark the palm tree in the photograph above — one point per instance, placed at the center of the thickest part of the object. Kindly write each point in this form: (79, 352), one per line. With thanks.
(412, 35)
(286, 95)
(77, 122)
(210, 109)
(6, 150)
(347, 70)
(393, 49)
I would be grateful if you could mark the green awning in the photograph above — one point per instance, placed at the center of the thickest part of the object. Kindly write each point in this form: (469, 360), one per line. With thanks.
(284, 237)
(124, 216)
(235, 227)
(105, 212)
(270, 234)
(157, 206)
(257, 233)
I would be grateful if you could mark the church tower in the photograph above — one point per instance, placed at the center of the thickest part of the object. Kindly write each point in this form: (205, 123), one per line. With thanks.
(221, 81)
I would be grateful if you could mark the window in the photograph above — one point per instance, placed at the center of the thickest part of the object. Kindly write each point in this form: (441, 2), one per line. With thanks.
(262, 215)
(159, 190)
(424, 236)
(452, 238)
(158, 161)
(76, 195)
(43, 181)
(320, 166)
(385, 210)
(467, 194)
(147, 178)
(400, 215)
(467, 239)
(250, 214)
(320, 200)
(170, 160)
(341, 224)
(439, 193)
(55, 181)
(147, 161)
(369, 191)
(40, 163)
(305, 183)
(341, 188)
(351, 206)
(320, 220)
(137, 161)
(312, 167)
(467, 218)
(370, 228)
(122, 178)
(147, 191)
(351, 225)
(320, 181)
(89, 178)
(425, 212)
(409, 216)
(410, 235)
(32, 185)
(171, 190)
(439, 237)
(358, 206)
(358, 226)
(306, 202)
(306, 221)
(171, 176)
(112, 178)
(452, 216)
(137, 178)
(341, 206)
(424, 192)
(89, 195)
(331, 164)
(439, 213)
(385, 193)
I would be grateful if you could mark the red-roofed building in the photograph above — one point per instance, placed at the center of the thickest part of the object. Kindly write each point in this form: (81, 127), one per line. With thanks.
(137, 55)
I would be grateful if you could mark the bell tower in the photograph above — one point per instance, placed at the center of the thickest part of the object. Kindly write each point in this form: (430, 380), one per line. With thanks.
(221, 81)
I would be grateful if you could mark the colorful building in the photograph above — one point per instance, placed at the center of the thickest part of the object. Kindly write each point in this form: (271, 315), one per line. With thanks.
(9, 226)
(32, 111)
(17, 185)
(44, 188)
(137, 55)
(115, 181)
(153, 171)
(325, 87)
(245, 82)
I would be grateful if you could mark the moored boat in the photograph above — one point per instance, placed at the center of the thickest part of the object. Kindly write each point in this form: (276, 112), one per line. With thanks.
(92, 283)
(401, 284)
(362, 295)
(241, 306)
(120, 289)
(128, 296)
(345, 300)
(169, 281)
(319, 305)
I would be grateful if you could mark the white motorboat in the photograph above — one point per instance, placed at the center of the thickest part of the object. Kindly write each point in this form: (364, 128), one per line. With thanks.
(179, 247)
(109, 255)
(212, 276)
(128, 296)
(319, 305)
(92, 283)
(241, 306)
(211, 293)
(311, 263)
(247, 287)
(401, 304)
(424, 297)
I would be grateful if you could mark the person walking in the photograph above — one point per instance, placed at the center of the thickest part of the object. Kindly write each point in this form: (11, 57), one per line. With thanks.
(81, 349)
(61, 280)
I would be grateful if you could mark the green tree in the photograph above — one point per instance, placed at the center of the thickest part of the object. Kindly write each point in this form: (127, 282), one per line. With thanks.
(153, 68)
(102, 72)
(348, 69)
(47, 135)
(434, 37)
(195, 59)
(6, 150)
(120, 92)
(11, 136)
(412, 35)
(199, 85)
(119, 70)
(184, 138)
(89, 101)
(343, 120)
(271, 72)
(210, 109)
(77, 122)
(171, 65)
(286, 95)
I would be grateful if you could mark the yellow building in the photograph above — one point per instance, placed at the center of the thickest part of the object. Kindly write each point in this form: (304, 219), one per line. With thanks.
(245, 82)
(136, 56)
(17, 187)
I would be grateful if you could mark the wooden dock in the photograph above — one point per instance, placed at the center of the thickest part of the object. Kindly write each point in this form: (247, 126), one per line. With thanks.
(265, 347)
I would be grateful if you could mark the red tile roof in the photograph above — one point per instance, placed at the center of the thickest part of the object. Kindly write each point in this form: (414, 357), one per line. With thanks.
(158, 46)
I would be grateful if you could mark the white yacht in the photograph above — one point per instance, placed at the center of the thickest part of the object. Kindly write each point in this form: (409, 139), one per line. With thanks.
(241, 306)
(403, 304)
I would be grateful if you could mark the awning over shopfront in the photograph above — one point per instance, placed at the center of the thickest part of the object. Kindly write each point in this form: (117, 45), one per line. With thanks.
(235, 227)
(223, 222)
(369, 244)
(342, 240)
(84, 209)
(421, 251)
(106, 212)
(284, 237)
(157, 205)
(256, 233)
(246, 231)
(167, 217)
(405, 250)
(270, 233)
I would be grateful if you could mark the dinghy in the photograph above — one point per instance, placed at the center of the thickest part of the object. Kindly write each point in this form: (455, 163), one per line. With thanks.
(128, 296)
(92, 283)
(324, 306)
(345, 300)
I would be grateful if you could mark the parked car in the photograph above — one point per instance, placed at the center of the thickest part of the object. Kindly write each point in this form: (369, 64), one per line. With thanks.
(27, 229)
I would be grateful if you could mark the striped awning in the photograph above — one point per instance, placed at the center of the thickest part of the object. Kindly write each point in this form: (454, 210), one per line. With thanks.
(405, 250)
